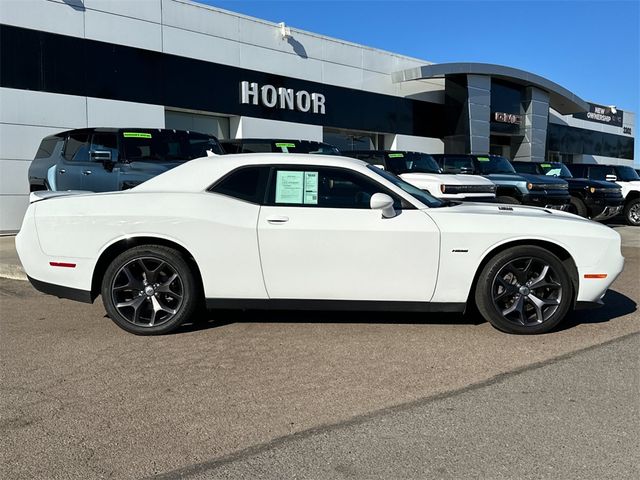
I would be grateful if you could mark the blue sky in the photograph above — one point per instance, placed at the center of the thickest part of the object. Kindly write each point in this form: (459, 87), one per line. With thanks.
(590, 47)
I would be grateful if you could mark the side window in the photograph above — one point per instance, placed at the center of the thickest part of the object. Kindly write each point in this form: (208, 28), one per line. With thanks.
(322, 187)
(77, 148)
(47, 146)
(600, 172)
(105, 142)
(246, 183)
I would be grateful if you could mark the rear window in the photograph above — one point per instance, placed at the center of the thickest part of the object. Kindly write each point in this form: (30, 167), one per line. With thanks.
(246, 183)
(47, 146)
(163, 145)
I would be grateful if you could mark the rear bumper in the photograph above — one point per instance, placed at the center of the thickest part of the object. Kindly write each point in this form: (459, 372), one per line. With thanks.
(61, 291)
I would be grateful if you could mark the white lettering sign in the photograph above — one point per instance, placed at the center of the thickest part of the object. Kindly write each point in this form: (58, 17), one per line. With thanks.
(284, 98)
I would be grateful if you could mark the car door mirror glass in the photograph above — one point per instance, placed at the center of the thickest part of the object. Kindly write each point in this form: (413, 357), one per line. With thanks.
(384, 203)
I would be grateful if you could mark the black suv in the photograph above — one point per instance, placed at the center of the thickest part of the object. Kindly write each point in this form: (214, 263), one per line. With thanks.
(270, 145)
(109, 159)
(512, 187)
(624, 176)
(593, 199)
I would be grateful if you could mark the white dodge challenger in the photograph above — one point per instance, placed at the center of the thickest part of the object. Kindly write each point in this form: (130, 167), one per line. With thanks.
(309, 231)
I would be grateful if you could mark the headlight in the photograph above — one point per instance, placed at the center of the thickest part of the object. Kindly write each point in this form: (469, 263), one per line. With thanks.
(592, 189)
(529, 186)
(443, 187)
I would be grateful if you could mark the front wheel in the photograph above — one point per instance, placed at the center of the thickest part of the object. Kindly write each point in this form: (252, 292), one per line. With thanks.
(578, 207)
(507, 200)
(632, 212)
(149, 290)
(524, 290)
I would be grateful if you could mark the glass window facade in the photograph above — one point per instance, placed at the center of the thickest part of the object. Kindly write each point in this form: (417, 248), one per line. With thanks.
(571, 140)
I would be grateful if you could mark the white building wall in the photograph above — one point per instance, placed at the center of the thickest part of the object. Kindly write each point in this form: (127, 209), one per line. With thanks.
(416, 144)
(250, 127)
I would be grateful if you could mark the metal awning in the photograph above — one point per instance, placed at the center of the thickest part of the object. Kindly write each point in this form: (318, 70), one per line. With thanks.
(560, 99)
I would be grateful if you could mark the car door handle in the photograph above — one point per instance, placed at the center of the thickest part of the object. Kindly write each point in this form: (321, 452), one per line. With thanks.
(86, 172)
(277, 219)
(62, 171)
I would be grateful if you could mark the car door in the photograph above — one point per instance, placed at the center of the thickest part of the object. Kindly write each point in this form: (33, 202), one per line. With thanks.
(75, 160)
(101, 175)
(319, 239)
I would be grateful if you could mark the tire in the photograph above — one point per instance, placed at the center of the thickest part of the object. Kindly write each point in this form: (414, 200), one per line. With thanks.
(632, 212)
(506, 292)
(149, 290)
(578, 207)
(509, 200)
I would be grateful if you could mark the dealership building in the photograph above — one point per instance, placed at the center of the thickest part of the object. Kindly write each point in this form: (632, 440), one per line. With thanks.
(178, 64)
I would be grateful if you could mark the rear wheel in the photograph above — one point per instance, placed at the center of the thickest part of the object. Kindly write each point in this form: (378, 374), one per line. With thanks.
(578, 207)
(149, 290)
(632, 212)
(525, 290)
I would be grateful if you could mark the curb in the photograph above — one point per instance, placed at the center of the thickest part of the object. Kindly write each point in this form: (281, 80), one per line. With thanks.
(12, 272)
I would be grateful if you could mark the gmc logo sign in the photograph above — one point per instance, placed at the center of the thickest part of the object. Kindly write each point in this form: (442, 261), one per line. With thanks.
(507, 118)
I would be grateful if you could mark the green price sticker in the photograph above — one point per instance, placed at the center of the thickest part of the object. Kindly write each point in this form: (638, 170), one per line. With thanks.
(136, 135)
(545, 165)
(483, 159)
(285, 145)
(396, 155)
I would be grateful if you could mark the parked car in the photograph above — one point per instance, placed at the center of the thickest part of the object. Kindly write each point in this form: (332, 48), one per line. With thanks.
(421, 170)
(270, 145)
(592, 199)
(309, 232)
(624, 176)
(108, 159)
(512, 187)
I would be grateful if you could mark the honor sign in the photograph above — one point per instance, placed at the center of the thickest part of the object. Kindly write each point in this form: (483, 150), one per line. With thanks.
(285, 98)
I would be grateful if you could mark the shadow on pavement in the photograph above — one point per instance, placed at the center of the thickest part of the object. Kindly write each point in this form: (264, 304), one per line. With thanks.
(615, 305)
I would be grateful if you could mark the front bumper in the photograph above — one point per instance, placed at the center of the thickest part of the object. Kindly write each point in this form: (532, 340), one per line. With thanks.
(542, 199)
(606, 212)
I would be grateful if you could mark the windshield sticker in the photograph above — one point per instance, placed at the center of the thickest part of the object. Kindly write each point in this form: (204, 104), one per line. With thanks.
(136, 135)
(545, 165)
(285, 146)
(396, 155)
(311, 188)
(554, 172)
(483, 159)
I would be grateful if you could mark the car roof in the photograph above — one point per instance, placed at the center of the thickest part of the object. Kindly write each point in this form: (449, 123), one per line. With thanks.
(271, 140)
(129, 129)
(198, 174)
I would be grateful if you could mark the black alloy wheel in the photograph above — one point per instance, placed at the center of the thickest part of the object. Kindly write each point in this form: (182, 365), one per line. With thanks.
(149, 290)
(525, 290)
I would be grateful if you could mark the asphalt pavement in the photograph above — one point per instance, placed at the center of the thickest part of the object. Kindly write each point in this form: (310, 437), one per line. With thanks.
(318, 394)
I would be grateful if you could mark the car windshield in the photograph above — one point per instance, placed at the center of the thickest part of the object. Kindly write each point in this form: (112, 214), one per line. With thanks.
(556, 169)
(167, 145)
(411, 162)
(626, 174)
(494, 164)
(415, 192)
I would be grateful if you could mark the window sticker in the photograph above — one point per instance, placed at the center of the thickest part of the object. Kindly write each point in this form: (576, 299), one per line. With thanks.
(136, 135)
(545, 165)
(554, 172)
(289, 187)
(483, 159)
(396, 155)
(297, 187)
(285, 146)
(311, 188)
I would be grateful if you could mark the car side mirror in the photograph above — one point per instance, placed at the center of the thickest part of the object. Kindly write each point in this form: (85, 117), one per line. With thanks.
(103, 156)
(384, 203)
(611, 178)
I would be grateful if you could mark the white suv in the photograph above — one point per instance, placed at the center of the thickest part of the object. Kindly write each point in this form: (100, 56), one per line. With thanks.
(422, 171)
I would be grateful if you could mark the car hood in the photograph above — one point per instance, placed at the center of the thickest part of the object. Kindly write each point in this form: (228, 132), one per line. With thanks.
(546, 179)
(585, 182)
(447, 179)
(506, 177)
(509, 211)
